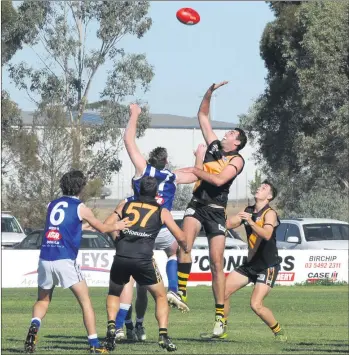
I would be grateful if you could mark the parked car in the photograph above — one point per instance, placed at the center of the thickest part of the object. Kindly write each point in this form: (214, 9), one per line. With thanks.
(90, 240)
(11, 231)
(233, 240)
(312, 233)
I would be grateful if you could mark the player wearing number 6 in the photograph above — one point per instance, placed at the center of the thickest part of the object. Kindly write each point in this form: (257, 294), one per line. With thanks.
(59, 250)
(134, 257)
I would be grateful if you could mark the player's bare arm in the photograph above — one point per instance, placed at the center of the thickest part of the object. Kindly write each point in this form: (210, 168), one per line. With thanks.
(229, 172)
(183, 177)
(204, 113)
(168, 220)
(88, 216)
(233, 222)
(115, 217)
(130, 141)
(270, 222)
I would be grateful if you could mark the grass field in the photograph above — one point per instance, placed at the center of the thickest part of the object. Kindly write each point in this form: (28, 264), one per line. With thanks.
(315, 318)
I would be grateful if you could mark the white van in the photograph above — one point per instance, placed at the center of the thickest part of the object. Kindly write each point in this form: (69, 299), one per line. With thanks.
(312, 233)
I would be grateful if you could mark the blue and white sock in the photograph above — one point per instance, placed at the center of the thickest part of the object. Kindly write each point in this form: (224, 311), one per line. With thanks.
(121, 316)
(36, 321)
(171, 271)
(94, 341)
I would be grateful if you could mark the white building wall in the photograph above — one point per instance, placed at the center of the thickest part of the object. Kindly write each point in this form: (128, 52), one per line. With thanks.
(180, 144)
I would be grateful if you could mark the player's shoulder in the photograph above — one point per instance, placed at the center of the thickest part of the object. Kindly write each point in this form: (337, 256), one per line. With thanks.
(271, 212)
(72, 199)
(235, 155)
(249, 208)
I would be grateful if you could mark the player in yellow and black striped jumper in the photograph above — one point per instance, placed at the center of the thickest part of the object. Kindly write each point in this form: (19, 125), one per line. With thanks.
(263, 263)
(221, 164)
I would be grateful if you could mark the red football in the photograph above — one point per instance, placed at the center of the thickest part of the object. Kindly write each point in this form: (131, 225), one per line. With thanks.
(188, 16)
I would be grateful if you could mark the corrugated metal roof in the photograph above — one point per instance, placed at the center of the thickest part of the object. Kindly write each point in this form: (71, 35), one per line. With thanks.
(158, 120)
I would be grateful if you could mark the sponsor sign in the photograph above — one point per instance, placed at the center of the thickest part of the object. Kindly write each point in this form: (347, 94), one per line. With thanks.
(19, 267)
(232, 259)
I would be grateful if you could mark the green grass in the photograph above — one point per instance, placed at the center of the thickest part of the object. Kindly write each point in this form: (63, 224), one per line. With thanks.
(314, 317)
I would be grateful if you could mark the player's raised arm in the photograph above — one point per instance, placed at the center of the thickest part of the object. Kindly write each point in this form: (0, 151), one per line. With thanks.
(170, 223)
(87, 215)
(130, 141)
(204, 113)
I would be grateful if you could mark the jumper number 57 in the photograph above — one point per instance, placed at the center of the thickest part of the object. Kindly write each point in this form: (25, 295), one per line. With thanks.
(135, 207)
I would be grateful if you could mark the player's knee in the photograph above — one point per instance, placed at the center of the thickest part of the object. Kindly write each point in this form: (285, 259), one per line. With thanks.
(171, 251)
(216, 266)
(161, 298)
(256, 306)
(182, 253)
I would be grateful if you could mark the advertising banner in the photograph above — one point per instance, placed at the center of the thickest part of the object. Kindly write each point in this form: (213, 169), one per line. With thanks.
(19, 267)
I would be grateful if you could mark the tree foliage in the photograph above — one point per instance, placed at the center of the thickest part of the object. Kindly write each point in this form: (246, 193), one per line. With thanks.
(20, 28)
(182, 197)
(70, 64)
(300, 122)
(256, 182)
(183, 193)
(73, 41)
(17, 144)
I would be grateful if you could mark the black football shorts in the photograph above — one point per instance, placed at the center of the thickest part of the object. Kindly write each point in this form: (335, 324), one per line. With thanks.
(145, 272)
(212, 219)
(266, 276)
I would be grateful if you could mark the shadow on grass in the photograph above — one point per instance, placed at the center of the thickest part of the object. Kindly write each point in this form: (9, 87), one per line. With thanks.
(65, 337)
(317, 350)
(12, 350)
(202, 340)
(346, 345)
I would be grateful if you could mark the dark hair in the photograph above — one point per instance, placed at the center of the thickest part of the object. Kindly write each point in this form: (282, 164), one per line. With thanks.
(242, 138)
(158, 158)
(273, 189)
(149, 186)
(72, 183)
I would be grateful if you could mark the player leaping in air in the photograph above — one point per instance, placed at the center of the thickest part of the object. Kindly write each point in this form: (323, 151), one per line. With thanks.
(222, 164)
(167, 181)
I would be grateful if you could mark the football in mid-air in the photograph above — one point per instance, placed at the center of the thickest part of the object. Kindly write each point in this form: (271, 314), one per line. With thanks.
(188, 16)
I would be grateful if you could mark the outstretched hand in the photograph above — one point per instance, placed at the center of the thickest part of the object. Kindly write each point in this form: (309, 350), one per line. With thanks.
(200, 151)
(135, 109)
(214, 87)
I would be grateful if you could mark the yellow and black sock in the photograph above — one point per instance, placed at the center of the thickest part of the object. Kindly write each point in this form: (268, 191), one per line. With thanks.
(220, 310)
(276, 328)
(162, 331)
(183, 276)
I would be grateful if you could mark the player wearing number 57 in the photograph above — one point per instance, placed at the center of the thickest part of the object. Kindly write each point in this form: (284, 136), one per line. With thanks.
(59, 250)
(134, 257)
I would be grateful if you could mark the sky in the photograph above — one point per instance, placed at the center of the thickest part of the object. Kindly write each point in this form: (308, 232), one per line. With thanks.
(188, 59)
